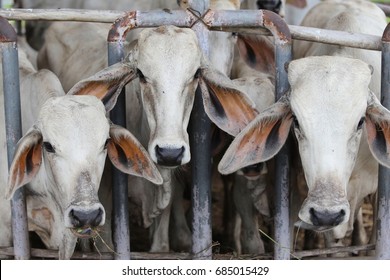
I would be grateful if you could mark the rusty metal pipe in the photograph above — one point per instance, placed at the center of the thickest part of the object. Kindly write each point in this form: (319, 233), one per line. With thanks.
(13, 124)
(200, 142)
(138, 19)
(383, 219)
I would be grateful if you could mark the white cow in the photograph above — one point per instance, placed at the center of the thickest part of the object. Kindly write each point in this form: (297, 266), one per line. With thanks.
(331, 89)
(61, 158)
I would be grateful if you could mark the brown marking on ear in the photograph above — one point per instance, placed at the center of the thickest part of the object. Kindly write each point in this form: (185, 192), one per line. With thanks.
(26, 162)
(378, 130)
(106, 84)
(128, 155)
(260, 140)
(258, 52)
(378, 134)
(96, 88)
(228, 108)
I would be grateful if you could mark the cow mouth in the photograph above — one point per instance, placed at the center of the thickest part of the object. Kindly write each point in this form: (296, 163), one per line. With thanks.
(303, 225)
(85, 232)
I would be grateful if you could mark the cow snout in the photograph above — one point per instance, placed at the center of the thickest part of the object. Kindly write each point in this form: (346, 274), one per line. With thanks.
(326, 218)
(169, 156)
(80, 218)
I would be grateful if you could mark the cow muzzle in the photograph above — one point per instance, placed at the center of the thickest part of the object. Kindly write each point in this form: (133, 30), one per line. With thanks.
(84, 220)
(324, 216)
(170, 156)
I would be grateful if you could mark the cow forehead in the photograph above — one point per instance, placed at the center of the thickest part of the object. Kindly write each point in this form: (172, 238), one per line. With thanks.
(329, 84)
(73, 117)
(168, 45)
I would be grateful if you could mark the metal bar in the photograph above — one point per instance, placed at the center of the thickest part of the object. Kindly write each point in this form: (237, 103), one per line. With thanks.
(13, 125)
(325, 251)
(200, 143)
(383, 203)
(120, 224)
(364, 41)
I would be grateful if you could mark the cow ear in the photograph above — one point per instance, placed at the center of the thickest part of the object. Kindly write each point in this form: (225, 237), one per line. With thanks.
(229, 108)
(260, 140)
(129, 156)
(378, 130)
(258, 52)
(108, 83)
(27, 161)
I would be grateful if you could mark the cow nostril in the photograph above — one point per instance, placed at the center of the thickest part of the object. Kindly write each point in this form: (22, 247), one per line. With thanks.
(326, 218)
(169, 156)
(75, 220)
(81, 218)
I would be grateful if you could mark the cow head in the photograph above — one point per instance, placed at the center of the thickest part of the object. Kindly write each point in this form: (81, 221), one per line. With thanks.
(65, 153)
(170, 66)
(328, 106)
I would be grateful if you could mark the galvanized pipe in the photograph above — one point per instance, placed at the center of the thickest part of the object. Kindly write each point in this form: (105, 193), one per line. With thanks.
(120, 214)
(383, 219)
(363, 41)
(13, 124)
(200, 142)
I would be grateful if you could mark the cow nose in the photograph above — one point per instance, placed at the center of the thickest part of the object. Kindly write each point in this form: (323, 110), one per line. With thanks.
(86, 218)
(168, 156)
(326, 218)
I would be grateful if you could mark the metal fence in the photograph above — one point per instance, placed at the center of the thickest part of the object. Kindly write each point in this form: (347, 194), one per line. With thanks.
(201, 20)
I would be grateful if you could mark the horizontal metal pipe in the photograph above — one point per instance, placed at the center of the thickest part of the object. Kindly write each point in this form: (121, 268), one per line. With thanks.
(353, 40)
(134, 19)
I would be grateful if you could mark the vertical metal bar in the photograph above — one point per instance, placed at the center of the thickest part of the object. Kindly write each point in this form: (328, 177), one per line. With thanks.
(120, 219)
(200, 142)
(283, 55)
(383, 219)
(13, 124)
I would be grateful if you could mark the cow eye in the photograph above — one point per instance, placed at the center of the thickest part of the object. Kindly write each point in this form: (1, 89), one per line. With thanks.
(48, 147)
(106, 143)
(197, 74)
(141, 76)
(234, 35)
(295, 122)
(361, 122)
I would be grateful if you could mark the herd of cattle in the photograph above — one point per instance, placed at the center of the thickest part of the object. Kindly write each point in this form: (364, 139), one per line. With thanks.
(67, 90)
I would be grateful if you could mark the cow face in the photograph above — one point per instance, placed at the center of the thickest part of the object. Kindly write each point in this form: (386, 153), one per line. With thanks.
(65, 153)
(168, 90)
(170, 66)
(328, 105)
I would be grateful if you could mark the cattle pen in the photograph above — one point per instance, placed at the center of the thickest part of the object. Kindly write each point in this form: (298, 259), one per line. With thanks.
(201, 20)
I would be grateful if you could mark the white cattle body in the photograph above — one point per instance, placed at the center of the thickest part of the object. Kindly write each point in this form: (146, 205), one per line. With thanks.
(61, 158)
(332, 96)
